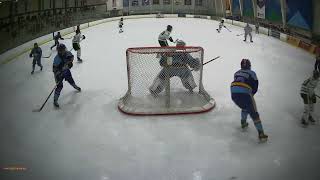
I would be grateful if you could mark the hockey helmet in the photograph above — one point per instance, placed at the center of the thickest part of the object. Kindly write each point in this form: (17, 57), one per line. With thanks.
(245, 64)
(169, 28)
(222, 21)
(61, 48)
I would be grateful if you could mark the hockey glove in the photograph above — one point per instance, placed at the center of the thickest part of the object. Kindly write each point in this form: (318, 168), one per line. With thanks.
(30, 55)
(169, 61)
(170, 39)
(83, 37)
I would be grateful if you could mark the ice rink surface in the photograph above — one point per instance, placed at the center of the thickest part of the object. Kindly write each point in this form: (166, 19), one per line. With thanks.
(89, 139)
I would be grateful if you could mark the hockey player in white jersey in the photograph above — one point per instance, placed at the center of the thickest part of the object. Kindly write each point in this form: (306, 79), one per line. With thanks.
(309, 98)
(247, 31)
(121, 25)
(176, 64)
(164, 36)
(221, 25)
(76, 43)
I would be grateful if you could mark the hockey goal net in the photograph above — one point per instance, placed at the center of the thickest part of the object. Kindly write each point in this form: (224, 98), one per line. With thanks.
(165, 80)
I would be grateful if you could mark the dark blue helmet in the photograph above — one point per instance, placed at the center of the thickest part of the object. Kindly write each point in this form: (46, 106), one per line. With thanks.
(245, 64)
(169, 28)
(61, 47)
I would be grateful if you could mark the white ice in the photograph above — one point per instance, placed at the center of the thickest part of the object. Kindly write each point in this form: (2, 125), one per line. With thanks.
(89, 139)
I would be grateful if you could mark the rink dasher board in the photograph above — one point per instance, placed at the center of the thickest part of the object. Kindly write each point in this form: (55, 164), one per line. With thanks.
(14, 53)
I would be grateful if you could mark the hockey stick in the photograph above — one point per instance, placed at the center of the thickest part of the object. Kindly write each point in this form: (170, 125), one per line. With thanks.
(209, 61)
(227, 29)
(68, 38)
(317, 96)
(38, 110)
(240, 34)
(48, 55)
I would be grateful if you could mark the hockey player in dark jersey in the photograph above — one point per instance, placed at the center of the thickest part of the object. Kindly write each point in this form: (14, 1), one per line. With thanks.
(36, 53)
(61, 68)
(121, 25)
(243, 88)
(56, 40)
(176, 64)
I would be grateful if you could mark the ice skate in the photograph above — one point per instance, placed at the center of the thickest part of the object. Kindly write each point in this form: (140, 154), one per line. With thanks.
(244, 125)
(77, 88)
(263, 137)
(56, 104)
(311, 119)
(304, 123)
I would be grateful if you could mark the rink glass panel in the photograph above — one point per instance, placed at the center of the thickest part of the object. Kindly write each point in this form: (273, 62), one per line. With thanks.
(143, 67)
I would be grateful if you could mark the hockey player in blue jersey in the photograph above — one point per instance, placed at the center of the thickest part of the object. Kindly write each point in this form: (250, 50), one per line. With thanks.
(176, 64)
(56, 40)
(61, 68)
(36, 53)
(243, 88)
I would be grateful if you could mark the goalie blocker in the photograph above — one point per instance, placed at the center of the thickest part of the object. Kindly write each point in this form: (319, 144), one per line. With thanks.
(171, 85)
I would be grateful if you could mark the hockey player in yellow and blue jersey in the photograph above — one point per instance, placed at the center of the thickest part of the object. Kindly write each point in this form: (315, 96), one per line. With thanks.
(243, 88)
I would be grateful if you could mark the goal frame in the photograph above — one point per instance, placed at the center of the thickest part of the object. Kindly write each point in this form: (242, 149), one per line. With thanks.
(211, 105)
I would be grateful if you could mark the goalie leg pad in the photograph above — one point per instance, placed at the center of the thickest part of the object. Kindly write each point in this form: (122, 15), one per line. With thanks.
(188, 82)
(157, 86)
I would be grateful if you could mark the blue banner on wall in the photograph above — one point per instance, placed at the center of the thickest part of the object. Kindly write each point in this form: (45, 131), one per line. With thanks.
(248, 8)
(300, 13)
(236, 8)
(273, 10)
(125, 3)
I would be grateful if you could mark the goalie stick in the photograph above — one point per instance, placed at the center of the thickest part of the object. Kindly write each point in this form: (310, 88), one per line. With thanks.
(209, 61)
